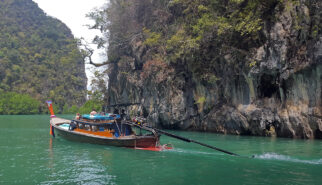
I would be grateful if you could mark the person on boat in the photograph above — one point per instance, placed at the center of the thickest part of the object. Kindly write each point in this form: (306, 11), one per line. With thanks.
(93, 112)
(72, 126)
(116, 111)
(78, 116)
(123, 115)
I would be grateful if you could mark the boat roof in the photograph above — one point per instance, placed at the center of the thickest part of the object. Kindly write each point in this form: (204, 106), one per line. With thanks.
(102, 117)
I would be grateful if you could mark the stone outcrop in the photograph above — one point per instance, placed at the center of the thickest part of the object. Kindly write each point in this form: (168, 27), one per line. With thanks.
(279, 95)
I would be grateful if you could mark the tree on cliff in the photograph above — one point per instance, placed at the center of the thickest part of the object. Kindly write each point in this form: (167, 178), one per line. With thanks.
(181, 31)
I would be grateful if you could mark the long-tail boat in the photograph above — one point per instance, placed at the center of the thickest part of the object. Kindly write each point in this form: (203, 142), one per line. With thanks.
(110, 129)
(107, 129)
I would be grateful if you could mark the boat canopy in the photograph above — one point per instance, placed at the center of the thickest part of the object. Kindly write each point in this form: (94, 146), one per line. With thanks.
(93, 123)
(102, 117)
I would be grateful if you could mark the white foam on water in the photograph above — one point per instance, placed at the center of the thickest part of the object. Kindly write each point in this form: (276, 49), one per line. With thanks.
(279, 157)
(177, 150)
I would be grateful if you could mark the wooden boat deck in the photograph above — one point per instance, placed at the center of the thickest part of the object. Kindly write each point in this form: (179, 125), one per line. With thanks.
(58, 121)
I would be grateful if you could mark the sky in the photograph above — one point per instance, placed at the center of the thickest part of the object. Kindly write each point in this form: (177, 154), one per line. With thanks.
(73, 14)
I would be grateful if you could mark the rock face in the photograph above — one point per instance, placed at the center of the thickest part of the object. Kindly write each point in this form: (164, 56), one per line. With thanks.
(280, 95)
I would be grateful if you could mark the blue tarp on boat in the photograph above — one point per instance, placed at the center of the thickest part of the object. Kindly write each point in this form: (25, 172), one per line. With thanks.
(102, 117)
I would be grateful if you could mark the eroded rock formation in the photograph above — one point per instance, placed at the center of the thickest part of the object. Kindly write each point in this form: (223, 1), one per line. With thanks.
(279, 94)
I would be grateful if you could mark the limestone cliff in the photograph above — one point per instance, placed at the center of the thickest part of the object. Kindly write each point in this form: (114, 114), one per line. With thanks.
(39, 57)
(264, 81)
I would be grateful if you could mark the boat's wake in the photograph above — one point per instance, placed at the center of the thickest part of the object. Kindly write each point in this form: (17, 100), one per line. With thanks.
(279, 157)
(177, 150)
(265, 156)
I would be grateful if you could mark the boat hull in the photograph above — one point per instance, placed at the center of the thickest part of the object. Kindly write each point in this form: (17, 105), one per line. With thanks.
(133, 142)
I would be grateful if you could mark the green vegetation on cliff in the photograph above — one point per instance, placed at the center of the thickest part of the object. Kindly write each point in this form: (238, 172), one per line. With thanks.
(39, 57)
(162, 38)
(201, 35)
(197, 33)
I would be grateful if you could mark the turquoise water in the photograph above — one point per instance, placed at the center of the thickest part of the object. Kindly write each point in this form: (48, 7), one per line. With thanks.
(30, 156)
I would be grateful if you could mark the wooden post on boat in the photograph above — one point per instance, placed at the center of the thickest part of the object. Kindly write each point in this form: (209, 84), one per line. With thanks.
(50, 107)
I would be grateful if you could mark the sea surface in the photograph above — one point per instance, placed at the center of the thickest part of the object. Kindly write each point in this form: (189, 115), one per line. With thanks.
(29, 155)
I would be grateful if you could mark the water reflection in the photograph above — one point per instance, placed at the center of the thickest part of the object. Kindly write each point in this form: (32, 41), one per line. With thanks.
(77, 163)
(50, 154)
